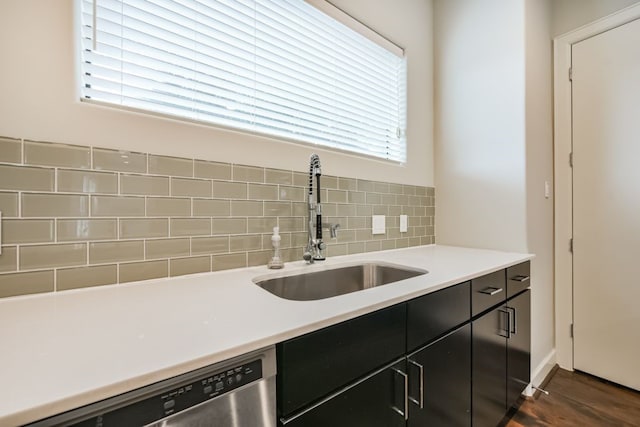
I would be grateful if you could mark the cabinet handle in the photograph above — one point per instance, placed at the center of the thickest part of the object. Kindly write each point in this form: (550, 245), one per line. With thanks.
(490, 291)
(520, 278)
(512, 320)
(508, 328)
(421, 368)
(404, 413)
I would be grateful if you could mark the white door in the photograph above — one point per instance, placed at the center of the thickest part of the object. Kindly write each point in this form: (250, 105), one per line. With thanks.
(606, 204)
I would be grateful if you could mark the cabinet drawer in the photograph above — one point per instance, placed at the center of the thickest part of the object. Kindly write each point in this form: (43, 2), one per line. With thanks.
(432, 315)
(487, 291)
(313, 365)
(518, 278)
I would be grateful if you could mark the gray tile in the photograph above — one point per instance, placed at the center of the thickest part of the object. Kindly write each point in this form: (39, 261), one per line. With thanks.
(211, 207)
(229, 190)
(164, 206)
(183, 266)
(337, 196)
(117, 206)
(167, 248)
(301, 179)
(86, 229)
(45, 153)
(295, 194)
(118, 160)
(248, 173)
(347, 184)
(209, 245)
(246, 208)
(261, 225)
(262, 192)
(245, 243)
(26, 178)
(278, 208)
(84, 277)
(54, 205)
(27, 231)
(116, 251)
(173, 166)
(229, 261)
(75, 181)
(229, 226)
(9, 259)
(212, 170)
(9, 204)
(190, 226)
(135, 271)
(144, 184)
(190, 187)
(258, 258)
(291, 224)
(278, 176)
(60, 255)
(26, 283)
(134, 228)
(381, 187)
(10, 150)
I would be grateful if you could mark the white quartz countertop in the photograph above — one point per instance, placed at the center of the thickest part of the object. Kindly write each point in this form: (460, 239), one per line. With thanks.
(63, 350)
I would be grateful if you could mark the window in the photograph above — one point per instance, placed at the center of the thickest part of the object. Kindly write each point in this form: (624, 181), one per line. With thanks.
(276, 67)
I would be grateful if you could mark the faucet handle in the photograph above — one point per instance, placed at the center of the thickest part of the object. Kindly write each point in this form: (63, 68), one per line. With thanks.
(333, 229)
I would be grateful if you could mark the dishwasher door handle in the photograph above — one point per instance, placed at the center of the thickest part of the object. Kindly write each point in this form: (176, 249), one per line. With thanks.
(405, 377)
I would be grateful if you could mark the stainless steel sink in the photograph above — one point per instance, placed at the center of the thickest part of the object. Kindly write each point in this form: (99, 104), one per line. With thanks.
(336, 281)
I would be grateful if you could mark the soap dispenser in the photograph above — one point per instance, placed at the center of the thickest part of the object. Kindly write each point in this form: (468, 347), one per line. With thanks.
(276, 261)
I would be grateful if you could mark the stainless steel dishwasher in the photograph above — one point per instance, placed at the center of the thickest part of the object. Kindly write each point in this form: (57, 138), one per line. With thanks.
(239, 392)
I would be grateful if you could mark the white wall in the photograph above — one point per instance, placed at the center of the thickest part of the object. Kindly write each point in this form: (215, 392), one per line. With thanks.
(38, 97)
(539, 164)
(494, 139)
(479, 123)
(571, 14)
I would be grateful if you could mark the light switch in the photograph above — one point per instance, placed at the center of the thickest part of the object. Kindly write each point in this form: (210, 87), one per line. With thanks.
(378, 224)
(547, 190)
(403, 224)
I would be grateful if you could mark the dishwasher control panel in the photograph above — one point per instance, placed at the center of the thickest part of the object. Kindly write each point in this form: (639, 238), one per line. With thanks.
(186, 396)
(160, 404)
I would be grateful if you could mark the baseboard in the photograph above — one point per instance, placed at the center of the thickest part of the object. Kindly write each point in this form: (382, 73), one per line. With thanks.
(541, 372)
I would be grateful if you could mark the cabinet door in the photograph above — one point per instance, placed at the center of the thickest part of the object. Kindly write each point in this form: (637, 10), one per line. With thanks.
(489, 367)
(432, 315)
(440, 382)
(316, 364)
(379, 400)
(519, 346)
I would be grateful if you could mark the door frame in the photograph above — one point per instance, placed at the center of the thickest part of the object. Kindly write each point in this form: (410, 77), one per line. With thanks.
(563, 182)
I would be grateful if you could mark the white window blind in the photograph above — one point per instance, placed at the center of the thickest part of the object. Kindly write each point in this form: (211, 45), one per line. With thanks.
(276, 67)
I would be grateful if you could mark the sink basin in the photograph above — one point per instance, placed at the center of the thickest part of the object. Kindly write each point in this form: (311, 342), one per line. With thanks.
(336, 281)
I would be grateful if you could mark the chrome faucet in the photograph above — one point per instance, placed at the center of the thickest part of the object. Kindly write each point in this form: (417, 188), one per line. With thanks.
(315, 247)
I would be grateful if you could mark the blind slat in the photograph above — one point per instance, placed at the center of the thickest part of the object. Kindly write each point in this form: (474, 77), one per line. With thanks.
(281, 68)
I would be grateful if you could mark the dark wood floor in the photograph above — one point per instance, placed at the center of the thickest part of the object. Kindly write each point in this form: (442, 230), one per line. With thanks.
(577, 399)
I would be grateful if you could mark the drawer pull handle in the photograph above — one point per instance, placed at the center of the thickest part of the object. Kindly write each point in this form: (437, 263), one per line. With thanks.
(520, 278)
(404, 413)
(420, 403)
(491, 291)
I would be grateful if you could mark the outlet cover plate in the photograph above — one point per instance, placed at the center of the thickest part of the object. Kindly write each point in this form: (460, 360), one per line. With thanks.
(378, 225)
(403, 224)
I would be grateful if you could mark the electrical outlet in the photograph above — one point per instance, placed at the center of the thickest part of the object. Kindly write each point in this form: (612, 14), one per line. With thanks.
(378, 224)
(404, 227)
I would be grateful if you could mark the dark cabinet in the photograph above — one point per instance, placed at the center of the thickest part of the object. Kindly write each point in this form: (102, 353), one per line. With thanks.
(518, 346)
(316, 364)
(459, 356)
(501, 347)
(440, 381)
(489, 348)
(377, 400)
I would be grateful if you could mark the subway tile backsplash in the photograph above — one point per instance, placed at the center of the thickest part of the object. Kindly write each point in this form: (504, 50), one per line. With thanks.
(78, 216)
